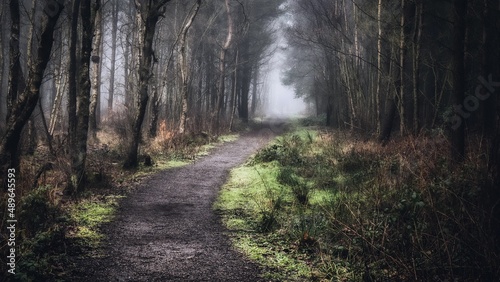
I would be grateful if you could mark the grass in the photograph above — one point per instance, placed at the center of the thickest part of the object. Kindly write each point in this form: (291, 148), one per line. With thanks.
(251, 203)
(54, 228)
(88, 216)
(320, 205)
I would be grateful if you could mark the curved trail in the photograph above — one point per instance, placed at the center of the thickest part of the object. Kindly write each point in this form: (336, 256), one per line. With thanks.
(167, 231)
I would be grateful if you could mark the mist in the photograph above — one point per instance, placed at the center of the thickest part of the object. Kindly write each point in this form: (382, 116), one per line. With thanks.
(281, 100)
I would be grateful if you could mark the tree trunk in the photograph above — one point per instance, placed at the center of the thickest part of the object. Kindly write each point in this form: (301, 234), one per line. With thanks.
(24, 106)
(147, 15)
(379, 66)
(392, 101)
(402, 57)
(59, 90)
(416, 64)
(72, 80)
(114, 29)
(15, 72)
(184, 67)
(2, 64)
(222, 66)
(79, 156)
(96, 74)
(246, 78)
(155, 112)
(255, 94)
(459, 84)
(234, 80)
(491, 67)
(16, 83)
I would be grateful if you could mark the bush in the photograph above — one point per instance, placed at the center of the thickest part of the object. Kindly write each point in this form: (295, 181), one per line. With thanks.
(36, 211)
(287, 176)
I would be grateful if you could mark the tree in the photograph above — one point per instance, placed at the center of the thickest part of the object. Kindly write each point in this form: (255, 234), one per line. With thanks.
(26, 103)
(184, 66)
(114, 29)
(458, 76)
(222, 66)
(16, 77)
(96, 74)
(147, 18)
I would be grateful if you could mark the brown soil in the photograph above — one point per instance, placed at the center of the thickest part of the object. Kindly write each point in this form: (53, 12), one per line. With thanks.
(167, 231)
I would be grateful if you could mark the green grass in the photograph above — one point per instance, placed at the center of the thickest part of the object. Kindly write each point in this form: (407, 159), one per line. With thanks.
(252, 203)
(89, 216)
(323, 206)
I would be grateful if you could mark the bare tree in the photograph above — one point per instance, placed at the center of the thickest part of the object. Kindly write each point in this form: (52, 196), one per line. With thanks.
(16, 77)
(26, 103)
(80, 124)
(458, 69)
(147, 18)
(184, 65)
(96, 73)
(222, 66)
(114, 29)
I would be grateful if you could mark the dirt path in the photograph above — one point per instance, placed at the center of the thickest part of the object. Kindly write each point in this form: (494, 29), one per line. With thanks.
(167, 231)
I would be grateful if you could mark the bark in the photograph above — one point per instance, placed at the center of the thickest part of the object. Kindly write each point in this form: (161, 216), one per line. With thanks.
(402, 57)
(255, 94)
(155, 111)
(379, 65)
(96, 74)
(72, 86)
(392, 101)
(246, 78)
(222, 66)
(2, 64)
(416, 64)
(387, 126)
(15, 85)
(32, 132)
(79, 155)
(148, 15)
(24, 106)
(491, 66)
(114, 29)
(459, 77)
(46, 130)
(234, 91)
(184, 66)
(59, 89)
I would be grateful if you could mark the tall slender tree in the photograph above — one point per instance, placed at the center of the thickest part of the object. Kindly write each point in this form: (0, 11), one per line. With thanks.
(147, 16)
(26, 102)
(184, 65)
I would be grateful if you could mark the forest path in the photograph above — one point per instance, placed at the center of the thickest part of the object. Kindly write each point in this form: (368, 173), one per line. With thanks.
(167, 231)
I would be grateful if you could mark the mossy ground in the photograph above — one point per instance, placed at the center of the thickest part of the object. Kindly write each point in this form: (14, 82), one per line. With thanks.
(321, 205)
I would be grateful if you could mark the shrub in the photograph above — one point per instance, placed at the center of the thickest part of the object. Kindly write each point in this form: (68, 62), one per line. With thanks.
(36, 210)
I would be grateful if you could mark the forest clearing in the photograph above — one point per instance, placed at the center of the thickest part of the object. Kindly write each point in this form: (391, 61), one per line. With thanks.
(249, 140)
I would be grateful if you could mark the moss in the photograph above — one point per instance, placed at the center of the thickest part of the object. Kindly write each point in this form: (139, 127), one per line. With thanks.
(89, 216)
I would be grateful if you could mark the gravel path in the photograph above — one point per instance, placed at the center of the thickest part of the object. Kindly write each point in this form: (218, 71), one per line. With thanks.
(167, 231)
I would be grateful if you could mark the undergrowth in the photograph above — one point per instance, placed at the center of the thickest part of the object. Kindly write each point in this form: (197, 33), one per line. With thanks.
(55, 229)
(319, 205)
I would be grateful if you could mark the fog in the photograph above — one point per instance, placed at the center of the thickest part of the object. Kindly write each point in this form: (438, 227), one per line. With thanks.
(281, 101)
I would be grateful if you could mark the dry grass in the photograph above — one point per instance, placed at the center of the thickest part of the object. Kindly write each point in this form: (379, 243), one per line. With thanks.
(400, 212)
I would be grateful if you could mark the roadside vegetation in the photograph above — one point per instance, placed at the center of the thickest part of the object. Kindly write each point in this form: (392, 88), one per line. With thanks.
(56, 228)
(324, 205)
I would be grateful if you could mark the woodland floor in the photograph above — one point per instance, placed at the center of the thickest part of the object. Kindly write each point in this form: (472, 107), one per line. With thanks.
(167, 230)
